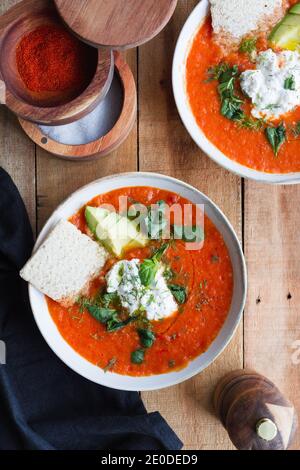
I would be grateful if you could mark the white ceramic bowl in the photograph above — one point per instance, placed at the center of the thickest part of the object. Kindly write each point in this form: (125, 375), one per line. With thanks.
(94, 373)
(185, 40)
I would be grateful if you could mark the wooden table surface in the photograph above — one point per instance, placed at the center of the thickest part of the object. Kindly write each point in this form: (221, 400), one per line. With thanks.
(266, 218)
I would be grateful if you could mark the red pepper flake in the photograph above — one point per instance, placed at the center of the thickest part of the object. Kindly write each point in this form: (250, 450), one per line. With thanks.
(49, 59)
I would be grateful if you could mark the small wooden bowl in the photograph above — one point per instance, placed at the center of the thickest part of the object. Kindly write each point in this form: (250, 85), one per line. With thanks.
(104, 145)
(46, 108)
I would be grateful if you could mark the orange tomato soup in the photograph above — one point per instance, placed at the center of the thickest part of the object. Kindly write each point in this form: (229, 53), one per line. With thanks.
(207, 275)
(247, 147)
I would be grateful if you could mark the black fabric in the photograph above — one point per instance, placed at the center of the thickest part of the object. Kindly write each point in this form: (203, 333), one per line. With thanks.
(44, 404)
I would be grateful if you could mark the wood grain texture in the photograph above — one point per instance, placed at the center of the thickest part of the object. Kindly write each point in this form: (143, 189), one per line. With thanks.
(105, 144)
(120, 23)
(272, 321)
(166, 147)
(50, 108)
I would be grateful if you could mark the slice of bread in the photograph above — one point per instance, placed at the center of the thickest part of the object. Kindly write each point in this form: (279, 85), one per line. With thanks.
(65, 264)
(233, 20)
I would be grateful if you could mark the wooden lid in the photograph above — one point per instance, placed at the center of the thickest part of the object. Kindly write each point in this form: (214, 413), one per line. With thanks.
(117, 24)
(255, 413)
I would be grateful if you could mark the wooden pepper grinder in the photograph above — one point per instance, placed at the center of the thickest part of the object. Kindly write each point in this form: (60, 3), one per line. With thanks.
(254, 412)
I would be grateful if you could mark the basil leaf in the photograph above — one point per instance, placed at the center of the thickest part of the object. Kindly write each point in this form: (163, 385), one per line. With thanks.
(115, 324)
(159, 253)
(138, 356)
(276, 137)
(248, 46)
(156, 221)
(148, 271)
(101, 314)
(191, 234)
(179, 292)
(109, 298)
(147, 337)
(289, 83)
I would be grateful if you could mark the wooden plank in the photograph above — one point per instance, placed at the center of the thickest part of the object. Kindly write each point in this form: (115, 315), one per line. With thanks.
(57, 179)
(17, 152)
(272, 325)
(166, 147)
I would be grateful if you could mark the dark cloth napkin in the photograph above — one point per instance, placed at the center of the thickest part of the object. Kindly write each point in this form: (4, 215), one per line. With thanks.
(44, 405)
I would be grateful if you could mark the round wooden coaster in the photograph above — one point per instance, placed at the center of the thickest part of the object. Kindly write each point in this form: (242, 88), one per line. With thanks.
(46, 108)
(105, 144)
(117, 24)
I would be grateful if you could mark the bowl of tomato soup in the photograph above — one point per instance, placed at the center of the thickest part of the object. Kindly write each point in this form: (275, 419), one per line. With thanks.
(206, 284)
(240, 149)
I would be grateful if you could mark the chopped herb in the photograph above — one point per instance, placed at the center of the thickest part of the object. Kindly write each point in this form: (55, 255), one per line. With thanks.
(110, 364)
(172, 363)
(215, 259)
(289, 83)
(203, 284)
(138, 356)
(231, 104)
(110, 298)
(108, 317)
(276, 137)
(155, 222)
(296, 130)
(147, 337)
(168, 274)
(149, 267)
(159, 253)
(179, 292)
(148, 271)
(115, 324)
(192, 234)
(248, 46)
(103, 315)
(173, 336)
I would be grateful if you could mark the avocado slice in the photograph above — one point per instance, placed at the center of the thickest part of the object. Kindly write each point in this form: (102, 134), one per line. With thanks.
(286, 34)
(295, 9)
(93, 215)
(116, 232)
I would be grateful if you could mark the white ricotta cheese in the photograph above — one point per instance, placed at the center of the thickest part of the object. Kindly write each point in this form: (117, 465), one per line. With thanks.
(274, 87)
(156, 300)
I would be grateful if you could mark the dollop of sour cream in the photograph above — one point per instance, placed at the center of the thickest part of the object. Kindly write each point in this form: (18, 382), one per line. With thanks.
(155, 300)
(274, 87)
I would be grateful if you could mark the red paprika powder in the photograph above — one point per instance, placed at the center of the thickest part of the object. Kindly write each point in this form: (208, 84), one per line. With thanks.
(49, 59)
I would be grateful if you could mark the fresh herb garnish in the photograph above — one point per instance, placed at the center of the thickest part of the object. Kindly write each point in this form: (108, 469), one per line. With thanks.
(231, 103)
(149, 267)
(138, 356)
(215, 259)
(171, 363)
(296, 130)
(289, 83)
(109, 298)
(179, 292)
(203, 284)
(147, 337)
(155, 222)
(276, 137)
(103, 315)
(248, 46)
(168, 273)
(190, 234)
(115, 324)
(110, 364)
(148, 271)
